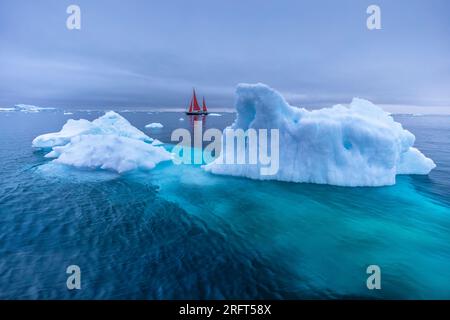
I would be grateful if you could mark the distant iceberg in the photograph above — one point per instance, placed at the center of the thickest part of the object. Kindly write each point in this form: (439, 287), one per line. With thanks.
(109, 142)
(355, 145)
(25, 108)
(30, 108)
(7, 109)
(154, 125)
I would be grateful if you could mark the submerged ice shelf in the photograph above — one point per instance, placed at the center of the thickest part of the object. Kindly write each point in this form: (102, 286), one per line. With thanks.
(355, 145)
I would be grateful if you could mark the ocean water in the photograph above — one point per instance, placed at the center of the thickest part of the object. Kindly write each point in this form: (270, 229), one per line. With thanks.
(177, 232)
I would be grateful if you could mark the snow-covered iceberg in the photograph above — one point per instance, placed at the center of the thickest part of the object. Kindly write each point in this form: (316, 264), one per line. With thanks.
(355, 145)
(109, 142)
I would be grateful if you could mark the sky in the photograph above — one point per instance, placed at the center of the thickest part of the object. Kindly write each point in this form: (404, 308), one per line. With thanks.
(150, 54)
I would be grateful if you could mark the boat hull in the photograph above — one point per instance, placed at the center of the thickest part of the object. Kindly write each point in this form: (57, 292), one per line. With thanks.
(196, 113)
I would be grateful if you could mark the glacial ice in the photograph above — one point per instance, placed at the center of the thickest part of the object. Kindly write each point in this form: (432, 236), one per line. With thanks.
(27, 108)
(110, 123)
(110, 152)
(154, 125)
(30, 108)
(7, 109)
(109, 142)
(355, 145)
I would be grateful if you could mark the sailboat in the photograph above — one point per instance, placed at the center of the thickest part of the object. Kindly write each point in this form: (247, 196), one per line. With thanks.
(194, 107)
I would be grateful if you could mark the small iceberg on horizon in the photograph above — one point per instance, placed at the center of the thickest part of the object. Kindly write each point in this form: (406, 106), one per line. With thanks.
(30, 108)
(355, 145)
(109, 142)
(27, 108)
(154, 125)
(2, 109)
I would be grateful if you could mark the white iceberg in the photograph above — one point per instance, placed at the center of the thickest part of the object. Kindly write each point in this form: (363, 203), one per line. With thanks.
(109, 142)
(110, 123)
(156, 142)
(24, 108)
(30, 108)
(355, 145)
(109, 152)
(68, 113)
(214, 114)
(154, 125)
(7, 109)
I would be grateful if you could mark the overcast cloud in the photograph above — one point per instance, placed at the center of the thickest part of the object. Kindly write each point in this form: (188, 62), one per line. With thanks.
(139, 54)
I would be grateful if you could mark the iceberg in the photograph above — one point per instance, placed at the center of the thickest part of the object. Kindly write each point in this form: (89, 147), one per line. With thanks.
(7, 109)
(156, 142)
(354, 145)
(154, 125)
(110, 123)
(27, 108)
(109, 142)
(109, 152)
(30, 108)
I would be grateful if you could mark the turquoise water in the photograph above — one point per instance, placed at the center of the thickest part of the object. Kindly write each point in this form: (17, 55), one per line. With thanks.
(179, 233)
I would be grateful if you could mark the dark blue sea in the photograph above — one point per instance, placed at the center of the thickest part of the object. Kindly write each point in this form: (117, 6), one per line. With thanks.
(177, 232)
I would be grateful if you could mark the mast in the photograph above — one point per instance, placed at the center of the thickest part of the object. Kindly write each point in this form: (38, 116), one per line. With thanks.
(205, 109)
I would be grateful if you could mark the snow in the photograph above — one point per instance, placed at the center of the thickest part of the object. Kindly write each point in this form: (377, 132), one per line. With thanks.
(154, 125)
(109, 142)
(355, 145)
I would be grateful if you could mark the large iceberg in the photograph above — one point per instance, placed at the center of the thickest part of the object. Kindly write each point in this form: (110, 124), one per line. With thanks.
(109, 142)
(355, 145)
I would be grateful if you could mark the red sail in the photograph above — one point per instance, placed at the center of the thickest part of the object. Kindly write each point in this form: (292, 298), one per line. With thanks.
(204, 106)
(196, 106)
(190, 106)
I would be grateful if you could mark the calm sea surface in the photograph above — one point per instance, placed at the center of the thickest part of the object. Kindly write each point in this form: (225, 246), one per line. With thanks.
(177, 232)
